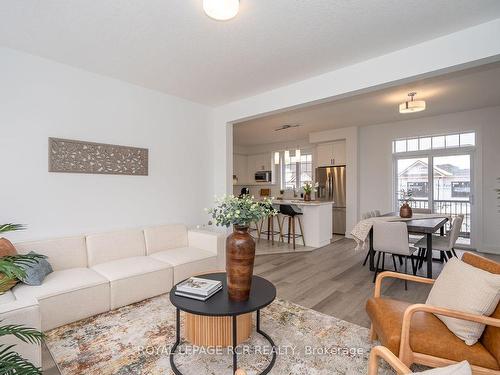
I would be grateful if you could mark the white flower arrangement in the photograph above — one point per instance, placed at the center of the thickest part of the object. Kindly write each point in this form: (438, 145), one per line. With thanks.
(240, 211)
(309, 187)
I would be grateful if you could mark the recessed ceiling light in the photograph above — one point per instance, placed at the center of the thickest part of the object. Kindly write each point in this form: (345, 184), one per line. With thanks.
(221, 10)
(412, 105)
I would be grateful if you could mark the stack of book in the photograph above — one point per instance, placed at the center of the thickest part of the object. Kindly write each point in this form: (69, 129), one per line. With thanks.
(197, 288)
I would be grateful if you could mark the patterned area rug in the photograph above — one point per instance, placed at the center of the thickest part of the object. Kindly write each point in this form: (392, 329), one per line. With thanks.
(136, 340)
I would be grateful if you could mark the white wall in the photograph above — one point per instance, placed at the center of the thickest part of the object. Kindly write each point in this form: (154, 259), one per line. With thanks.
(375, 184)
(469, 47)
(40, 99)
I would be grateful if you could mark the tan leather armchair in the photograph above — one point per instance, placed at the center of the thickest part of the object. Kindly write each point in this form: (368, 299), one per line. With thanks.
(416, 335)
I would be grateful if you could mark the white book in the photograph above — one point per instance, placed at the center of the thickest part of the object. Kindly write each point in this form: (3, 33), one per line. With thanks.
(196, 296)
(199, 286)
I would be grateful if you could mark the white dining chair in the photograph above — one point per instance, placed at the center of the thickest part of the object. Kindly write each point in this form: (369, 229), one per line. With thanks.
(365, 216)
(421, 210)
(444, 244)
(392, 238)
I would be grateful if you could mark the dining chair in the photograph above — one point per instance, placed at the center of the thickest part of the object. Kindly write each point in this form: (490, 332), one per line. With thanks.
(365, 216)
(392, 238)
(444, 244)
(421, 210)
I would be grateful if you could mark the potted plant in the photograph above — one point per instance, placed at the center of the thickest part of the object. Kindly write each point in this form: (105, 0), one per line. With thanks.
(240, 246)
(11, 363)
(11, 270)
(308, 189)
(405, 211)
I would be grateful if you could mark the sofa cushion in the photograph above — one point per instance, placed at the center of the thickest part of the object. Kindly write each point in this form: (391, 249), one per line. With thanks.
(68, 295)
(135, 279)
(428, 334)
(7, 297)
(187, 261)
(463, 287)
(106, 247)
(165, 237)
(62, 253)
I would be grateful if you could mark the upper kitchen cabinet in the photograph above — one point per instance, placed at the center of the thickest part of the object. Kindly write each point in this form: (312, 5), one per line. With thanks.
(240, 168)
(332, 153)
(256, 163)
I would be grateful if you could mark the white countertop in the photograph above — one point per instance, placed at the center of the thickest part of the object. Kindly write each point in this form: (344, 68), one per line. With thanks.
(301, 202)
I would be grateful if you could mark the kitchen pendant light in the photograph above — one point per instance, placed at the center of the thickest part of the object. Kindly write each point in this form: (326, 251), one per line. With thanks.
(287, 157)
(276, 158)
(297, 155)
(221, 10)
(412, 105)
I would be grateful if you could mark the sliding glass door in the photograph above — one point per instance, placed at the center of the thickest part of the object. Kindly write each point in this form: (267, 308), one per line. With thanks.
(441, 181)
(453, 190)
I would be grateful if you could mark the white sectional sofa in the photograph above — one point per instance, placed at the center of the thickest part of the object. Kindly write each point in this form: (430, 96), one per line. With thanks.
(100, 272)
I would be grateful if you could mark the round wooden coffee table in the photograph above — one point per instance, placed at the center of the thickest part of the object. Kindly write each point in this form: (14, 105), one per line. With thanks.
(219, 320)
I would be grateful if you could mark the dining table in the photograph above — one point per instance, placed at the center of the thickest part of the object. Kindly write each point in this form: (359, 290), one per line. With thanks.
(425, 226)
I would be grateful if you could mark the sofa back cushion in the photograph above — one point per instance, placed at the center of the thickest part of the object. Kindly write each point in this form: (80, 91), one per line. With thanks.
(165, 237)
(62, 253)
(106, 247)
(491, 335)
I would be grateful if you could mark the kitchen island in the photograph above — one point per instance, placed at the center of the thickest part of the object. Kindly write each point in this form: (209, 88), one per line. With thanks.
(316, 221)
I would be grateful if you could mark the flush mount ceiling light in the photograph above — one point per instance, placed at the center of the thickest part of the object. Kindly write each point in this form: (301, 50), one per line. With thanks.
(221, 10)
(412, 105)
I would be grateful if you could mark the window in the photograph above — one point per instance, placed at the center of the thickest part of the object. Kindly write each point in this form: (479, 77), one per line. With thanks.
(294, 173)
(418, 188)
(306, 173)
(437, 170)
(460, 189)
(433, 143)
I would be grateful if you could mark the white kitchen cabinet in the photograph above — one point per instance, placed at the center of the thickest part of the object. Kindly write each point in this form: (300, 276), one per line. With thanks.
(258, 162)
(332, 153)
(240, 168)
(339, 151)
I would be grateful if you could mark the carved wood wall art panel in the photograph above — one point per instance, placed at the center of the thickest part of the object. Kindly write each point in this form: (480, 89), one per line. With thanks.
(72, 156)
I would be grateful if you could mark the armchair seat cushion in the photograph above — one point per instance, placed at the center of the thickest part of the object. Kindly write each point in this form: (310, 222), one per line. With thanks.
(187, 261)
(429, 335)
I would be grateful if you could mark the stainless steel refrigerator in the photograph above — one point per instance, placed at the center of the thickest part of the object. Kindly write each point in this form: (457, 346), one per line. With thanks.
(331, 187)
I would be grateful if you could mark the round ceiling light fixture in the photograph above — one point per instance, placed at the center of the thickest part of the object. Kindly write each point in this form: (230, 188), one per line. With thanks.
(412, 105)
(221, 10)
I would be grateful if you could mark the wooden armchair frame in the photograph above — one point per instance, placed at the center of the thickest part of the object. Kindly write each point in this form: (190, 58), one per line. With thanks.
(382, 352)
(406, 354)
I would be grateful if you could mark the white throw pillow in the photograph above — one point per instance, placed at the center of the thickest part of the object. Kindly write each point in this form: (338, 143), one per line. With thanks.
(465, 288)
(462, 368)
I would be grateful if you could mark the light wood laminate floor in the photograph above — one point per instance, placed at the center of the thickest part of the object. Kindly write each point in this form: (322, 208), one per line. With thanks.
(333, 281)
(330, 280)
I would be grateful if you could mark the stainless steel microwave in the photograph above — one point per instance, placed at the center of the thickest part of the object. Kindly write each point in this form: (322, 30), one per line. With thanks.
(263, 176)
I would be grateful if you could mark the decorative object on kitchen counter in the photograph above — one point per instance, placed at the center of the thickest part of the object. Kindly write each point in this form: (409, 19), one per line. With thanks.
(308, 189)
(282, 192)
(240, 246)
(72, 156)
(405, 211)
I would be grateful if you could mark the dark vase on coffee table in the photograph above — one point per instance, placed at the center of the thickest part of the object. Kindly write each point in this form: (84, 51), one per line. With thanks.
(240, 256)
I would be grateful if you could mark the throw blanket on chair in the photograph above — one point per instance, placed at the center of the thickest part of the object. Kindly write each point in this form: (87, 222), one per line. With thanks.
(362, 229)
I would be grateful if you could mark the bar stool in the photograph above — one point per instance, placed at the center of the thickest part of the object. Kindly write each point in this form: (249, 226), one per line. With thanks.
(270, 232)
(292, 212)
